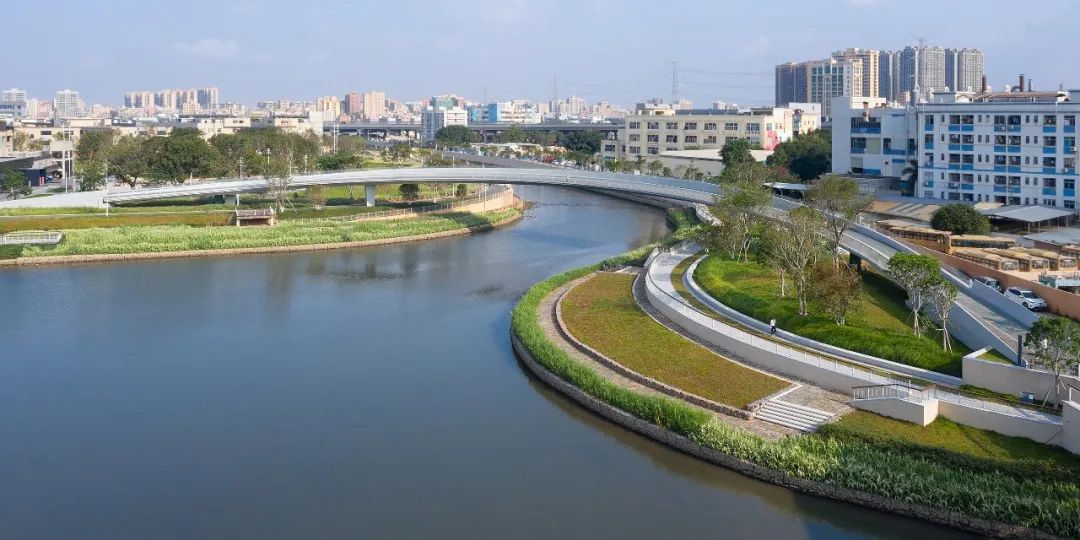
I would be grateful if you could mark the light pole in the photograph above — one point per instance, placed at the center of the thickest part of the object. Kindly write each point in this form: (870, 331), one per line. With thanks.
(266, 152)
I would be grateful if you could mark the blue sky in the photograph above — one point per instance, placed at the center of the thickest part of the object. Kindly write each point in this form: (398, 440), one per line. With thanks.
(620, 51)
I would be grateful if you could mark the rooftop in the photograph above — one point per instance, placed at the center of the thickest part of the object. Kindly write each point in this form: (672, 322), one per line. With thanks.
(1028, 214)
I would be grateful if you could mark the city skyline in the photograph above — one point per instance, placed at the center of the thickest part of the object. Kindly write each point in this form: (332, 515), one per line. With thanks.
(250, 64)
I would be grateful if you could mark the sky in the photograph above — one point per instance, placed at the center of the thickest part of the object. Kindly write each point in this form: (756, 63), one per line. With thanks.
(614, 50)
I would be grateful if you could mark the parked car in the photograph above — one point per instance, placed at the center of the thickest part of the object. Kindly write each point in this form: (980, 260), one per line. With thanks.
(1026, 298)
(989, 282)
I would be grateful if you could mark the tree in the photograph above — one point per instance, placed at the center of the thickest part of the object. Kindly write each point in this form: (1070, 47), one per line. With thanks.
(128, 161)
(13, 182)
(279, 180)
(910, 174)
(941, 295)
(736, 152)
(960, 219)
(807, 156)
(1055, 342)
(795, 247)
(513, 134)
(836, 291)
(93, 175)
(409, 192)
(915, 274)
(840, 203)
(398, 152)
(316, 195)
(461, 191)
(739, 204)
(655, 167)
(94, 145)
(581, 141)
(455, 136)
(20, 141)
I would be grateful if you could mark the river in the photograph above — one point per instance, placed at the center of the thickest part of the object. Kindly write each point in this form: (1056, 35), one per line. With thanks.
(366, 393)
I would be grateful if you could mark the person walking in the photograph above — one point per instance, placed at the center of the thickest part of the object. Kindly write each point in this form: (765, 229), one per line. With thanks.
(772, 326)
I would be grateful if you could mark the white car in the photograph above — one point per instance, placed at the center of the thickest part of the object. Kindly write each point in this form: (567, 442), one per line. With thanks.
(1026, 298)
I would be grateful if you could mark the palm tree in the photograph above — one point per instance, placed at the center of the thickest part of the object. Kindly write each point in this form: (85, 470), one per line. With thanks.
(910, 173)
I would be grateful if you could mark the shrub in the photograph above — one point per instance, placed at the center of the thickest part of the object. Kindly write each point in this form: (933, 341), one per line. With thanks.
(960, 219)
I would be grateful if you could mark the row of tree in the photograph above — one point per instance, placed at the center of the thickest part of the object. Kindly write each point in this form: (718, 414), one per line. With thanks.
(184, 154)
(802, 247)
(575, 141)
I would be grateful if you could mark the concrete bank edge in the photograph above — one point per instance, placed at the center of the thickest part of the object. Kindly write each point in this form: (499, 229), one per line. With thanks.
(110, 257)
(938, 516)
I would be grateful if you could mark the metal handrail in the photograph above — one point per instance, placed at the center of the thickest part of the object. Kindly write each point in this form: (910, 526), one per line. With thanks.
(489, 195)
(891, 391)
(31, 237)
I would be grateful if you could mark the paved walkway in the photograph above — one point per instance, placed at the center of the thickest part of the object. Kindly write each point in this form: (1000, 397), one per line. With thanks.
(546, 313)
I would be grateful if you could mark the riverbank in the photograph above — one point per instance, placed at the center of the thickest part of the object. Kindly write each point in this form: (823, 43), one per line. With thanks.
(961, 492)
(377, 233)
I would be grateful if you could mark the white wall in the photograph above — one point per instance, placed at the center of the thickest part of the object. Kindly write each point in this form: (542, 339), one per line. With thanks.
(1071, 422)
(1012, 380)
(909, 411)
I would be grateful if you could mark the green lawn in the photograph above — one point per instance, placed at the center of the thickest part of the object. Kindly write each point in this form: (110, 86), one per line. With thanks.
(878, 326)
(957, 442)
(147, 239)
(602, 313)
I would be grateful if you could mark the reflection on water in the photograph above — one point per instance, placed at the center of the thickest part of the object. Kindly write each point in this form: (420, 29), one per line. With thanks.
(355, 393)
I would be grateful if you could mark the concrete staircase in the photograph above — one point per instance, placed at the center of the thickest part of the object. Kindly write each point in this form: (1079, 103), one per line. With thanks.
(791, 415)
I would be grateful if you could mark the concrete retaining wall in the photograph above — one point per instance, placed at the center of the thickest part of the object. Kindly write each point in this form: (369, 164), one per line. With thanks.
(761, 358)
(1071, 421)
(1012, 380)
(1031, 428)
(901, 409)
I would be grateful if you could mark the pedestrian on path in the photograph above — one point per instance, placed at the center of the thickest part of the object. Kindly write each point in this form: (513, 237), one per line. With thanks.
(772, 326)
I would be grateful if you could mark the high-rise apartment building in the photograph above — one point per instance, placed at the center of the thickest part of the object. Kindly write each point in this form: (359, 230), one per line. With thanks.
(14, 95)
(329, 105)
(792, 83)
(922, 68)
(963, 69)
(67, 104)
(871, 73)
(834, 77)
(354, 103)
(208, 98)
(373, 105)
(888, 75)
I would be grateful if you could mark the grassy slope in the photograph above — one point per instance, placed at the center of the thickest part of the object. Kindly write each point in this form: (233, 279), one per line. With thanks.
(945, 479)
(180, 238)
(944, 434)
(876, 327)
(602, 313)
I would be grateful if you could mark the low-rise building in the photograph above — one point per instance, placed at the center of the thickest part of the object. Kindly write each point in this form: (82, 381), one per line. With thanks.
(653, 129)
(433, 119)
(1015, 148)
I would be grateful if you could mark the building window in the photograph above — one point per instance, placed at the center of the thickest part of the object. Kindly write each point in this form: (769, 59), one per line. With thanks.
(671, 138)
(653, 150)
(634, 137)
(635, 149)
(653, 125)
(634, 125)
(1049, 120)
(653, 138)
(710, 139)
(691, 139)
(753, 128)
(710, 126)
(731, 126)
(690, 126)
(672, 125)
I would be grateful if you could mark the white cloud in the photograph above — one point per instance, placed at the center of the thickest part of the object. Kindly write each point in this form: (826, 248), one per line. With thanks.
(208, 47)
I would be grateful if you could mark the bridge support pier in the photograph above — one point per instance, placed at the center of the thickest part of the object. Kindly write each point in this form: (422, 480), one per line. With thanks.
(237, 201)
(369, 194)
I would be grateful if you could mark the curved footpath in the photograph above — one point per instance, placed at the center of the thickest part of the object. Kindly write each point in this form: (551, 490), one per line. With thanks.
(80, 259)
(547, 315)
